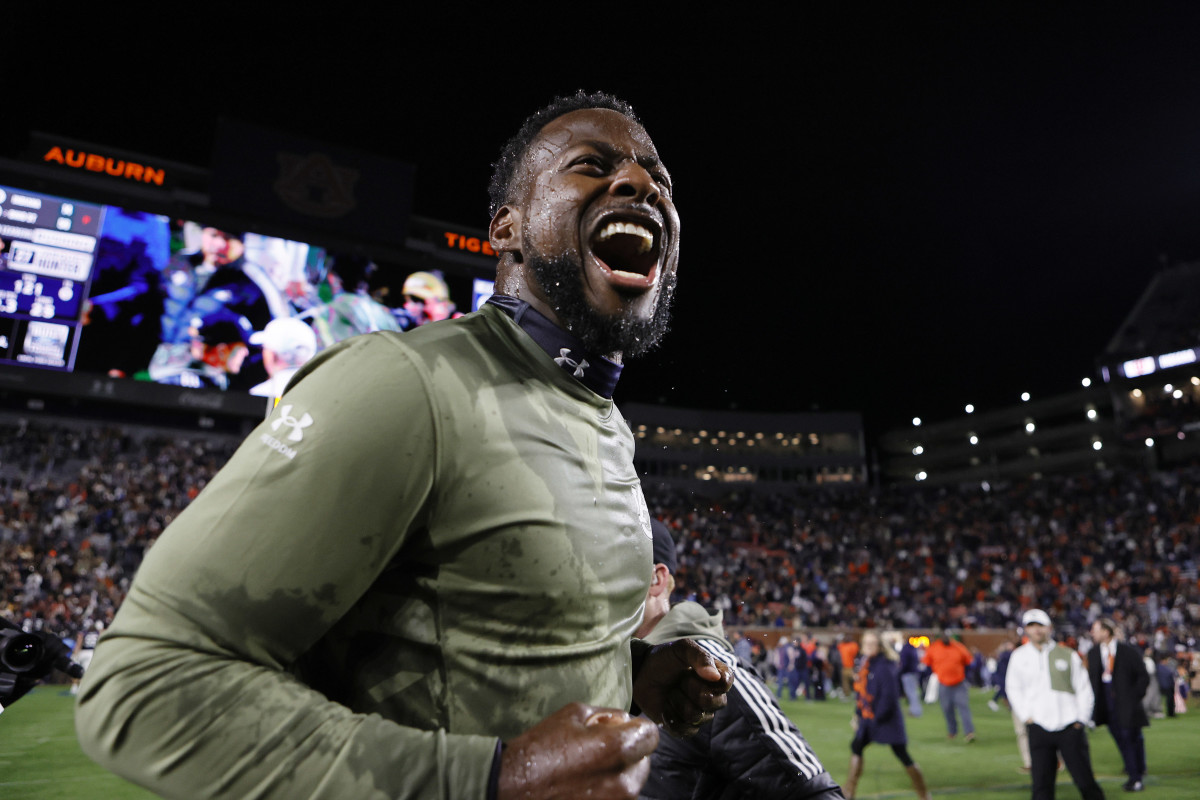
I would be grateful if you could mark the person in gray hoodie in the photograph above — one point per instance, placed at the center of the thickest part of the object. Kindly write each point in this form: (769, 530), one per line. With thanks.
(751, 749)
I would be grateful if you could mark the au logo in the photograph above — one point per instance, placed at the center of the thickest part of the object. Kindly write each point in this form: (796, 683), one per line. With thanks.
(315, 186)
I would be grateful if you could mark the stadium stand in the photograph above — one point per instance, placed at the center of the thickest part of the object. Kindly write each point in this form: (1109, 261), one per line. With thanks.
(80, 504)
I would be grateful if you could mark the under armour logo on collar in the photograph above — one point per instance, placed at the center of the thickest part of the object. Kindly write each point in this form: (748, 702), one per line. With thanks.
(566, 362)
(297, 425)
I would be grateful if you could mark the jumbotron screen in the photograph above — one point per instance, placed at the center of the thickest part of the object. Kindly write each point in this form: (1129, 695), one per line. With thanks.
(103, 289)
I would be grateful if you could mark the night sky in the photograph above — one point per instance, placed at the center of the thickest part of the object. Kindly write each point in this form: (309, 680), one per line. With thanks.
(895, 212)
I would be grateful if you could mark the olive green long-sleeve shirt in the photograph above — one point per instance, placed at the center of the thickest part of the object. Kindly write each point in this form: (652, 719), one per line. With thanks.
(435, 540)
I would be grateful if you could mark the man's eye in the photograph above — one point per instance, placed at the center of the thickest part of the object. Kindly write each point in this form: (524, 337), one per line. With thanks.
(590, 161)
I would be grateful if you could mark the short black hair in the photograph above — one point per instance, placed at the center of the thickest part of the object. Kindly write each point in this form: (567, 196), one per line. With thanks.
(513, 154)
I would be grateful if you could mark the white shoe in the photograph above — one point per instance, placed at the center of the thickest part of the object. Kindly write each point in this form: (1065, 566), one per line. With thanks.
(993, 705)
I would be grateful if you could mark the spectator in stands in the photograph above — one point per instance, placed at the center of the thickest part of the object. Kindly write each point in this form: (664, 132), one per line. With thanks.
(949, 659)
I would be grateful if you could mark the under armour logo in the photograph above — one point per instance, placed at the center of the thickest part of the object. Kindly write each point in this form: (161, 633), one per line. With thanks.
(297, 425)
(566, 362)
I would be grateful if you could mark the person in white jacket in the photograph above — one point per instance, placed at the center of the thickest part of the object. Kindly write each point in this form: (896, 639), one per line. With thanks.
(1048, 688)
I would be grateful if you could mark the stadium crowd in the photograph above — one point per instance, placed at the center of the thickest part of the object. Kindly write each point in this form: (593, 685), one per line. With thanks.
(79, 505)
(78, 508)
(1120, 544)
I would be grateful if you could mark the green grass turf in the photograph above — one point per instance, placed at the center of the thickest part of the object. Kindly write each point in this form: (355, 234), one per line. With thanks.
(987, 769)
(39, 757)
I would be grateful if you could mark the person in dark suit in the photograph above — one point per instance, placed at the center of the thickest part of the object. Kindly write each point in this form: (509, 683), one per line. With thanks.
(1119, 681)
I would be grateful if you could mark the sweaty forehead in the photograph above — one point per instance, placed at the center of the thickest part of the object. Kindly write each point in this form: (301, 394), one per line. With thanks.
(598, 125)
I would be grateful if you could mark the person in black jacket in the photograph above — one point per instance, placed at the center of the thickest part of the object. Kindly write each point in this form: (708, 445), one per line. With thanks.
(877, 713)
(1119, 681)
(751, 749)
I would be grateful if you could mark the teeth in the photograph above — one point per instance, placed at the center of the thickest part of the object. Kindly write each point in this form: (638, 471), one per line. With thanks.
(629, 229)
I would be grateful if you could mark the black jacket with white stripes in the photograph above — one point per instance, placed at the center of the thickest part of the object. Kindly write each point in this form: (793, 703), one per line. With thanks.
(750, 750)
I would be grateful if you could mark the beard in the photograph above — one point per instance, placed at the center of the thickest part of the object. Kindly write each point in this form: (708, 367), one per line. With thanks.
(561, 279)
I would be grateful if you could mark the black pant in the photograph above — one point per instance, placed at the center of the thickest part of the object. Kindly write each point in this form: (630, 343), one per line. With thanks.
(1072, 743)
(1132, 747)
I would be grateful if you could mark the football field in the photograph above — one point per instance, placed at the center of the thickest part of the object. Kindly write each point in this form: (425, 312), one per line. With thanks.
(39, 757)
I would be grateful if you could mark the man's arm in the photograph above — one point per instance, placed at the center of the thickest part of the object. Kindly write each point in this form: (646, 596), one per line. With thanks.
(1085, 698)
(190, 693)
(754, 746)
(1014, 686)
(680, 685)
(1141, 677)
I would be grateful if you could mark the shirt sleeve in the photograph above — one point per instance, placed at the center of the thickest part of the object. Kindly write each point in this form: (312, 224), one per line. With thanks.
(1085, 698)
(190, 692)
(753, 745)
(1015, 688)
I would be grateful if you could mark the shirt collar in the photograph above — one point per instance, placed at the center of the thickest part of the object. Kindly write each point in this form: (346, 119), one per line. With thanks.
(595, 372)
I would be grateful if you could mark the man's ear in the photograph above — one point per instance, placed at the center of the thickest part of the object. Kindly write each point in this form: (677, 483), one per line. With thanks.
(504, 232)
(661, 581)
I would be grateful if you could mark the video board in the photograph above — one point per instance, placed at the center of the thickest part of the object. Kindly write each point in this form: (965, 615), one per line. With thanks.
(47, 249)
(107, 290)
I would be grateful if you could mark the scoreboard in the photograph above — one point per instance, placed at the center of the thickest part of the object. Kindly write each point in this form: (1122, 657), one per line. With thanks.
(103, 298)
(47, 254)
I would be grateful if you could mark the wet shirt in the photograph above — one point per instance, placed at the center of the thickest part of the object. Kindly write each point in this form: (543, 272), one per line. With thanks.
(436, 539)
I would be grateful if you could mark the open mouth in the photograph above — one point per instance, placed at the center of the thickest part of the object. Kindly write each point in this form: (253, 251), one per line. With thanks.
(629, 251)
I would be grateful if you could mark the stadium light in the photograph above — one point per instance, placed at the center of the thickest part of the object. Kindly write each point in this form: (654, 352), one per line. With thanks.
(917, 421)
(1096, 445)
(1025, 397)
(1030, 427)
(1092, 413)
(1195, 381)
(918, 450)
(1178, 393)
(1149, 442)
(1086, 382)
(921, 476)
(1136, 393)
(1168, 389)
(970, 409)
(973, 439)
